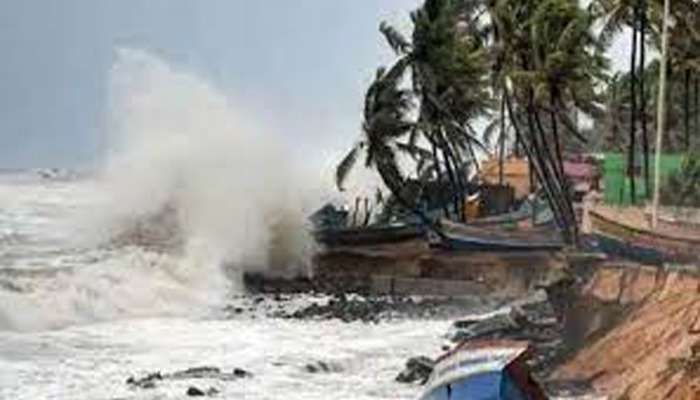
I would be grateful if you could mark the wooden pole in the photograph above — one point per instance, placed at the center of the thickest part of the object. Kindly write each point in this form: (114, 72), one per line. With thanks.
(661, 116)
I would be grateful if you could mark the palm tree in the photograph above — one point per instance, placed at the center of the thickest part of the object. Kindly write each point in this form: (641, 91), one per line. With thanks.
(385, 110)
(635, 14)
(684, 54)
(547, 64)
(447, 68)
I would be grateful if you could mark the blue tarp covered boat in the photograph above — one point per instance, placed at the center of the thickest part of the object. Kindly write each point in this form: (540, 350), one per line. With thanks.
(483, 370)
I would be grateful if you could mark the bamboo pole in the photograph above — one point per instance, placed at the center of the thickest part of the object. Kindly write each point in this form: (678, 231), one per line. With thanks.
(661, 116)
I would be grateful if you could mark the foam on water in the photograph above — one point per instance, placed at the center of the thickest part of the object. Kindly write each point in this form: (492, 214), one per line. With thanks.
(93, 362)
(81, 311)
(177, 146)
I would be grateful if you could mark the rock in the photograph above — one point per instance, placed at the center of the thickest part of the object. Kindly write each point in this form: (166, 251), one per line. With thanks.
(198, 372)
(317, 367)
(418, 369)
(321, 367)
(195, 392)
(147, 382)
(241, 373)
(498, 325)
(212, 392)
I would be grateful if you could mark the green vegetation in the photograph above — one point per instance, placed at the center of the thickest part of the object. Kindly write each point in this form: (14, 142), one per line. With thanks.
(529, 69)
(682, 187)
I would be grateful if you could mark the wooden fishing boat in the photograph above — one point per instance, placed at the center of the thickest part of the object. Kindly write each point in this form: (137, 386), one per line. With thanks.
(470, 238)
(493, 369)
(524, 214)
(625, 232)
(401, 231)
(366, 235)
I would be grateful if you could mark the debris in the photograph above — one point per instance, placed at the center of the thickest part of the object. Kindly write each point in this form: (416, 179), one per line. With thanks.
(418, 369)
(497, 325)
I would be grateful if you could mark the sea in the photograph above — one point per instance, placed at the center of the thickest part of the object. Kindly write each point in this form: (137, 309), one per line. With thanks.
(78, 317)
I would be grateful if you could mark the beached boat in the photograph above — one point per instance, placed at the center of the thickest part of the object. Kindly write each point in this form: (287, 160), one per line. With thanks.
(401, 231)
(625, 232)
(494, 370)
(471, 238)
(524, 214)
(365, 235)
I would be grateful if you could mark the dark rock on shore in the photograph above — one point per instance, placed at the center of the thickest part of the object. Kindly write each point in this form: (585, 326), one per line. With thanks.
(146, 382)
(418, 369)
(260, 284)
(321, 367)
(373, 309)
(149, 381)
(241, 373)
(193, 391)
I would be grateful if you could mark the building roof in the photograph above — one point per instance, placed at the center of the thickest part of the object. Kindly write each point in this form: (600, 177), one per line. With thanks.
(511, 167)
(579, 170)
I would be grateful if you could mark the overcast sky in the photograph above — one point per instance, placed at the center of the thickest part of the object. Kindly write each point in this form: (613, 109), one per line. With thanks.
(305, 62)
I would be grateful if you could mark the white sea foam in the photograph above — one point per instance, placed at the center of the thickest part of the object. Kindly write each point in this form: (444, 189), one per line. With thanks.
(234, 196)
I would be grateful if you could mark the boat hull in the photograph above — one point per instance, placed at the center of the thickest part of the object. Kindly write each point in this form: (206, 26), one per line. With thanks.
(367, 235)
(464, 237)
(626, 241)
(473, 243)
(483, 370)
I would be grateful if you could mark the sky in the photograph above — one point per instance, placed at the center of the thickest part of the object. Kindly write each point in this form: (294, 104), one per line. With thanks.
(302, 65)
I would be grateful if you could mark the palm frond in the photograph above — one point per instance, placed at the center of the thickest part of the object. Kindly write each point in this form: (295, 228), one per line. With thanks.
(345, 166)
(394, 38)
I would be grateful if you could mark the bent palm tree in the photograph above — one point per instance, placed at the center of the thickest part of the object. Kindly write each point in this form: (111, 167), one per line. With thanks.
(385, 110)
(447, 66)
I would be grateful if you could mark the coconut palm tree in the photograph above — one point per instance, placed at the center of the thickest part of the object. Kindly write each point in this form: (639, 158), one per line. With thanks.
(684, 54)
(447, 66)
(385, 121)
(547, 64)
(635, 14)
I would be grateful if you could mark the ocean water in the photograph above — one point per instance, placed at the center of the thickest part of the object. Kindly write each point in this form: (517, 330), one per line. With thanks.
(78, 317)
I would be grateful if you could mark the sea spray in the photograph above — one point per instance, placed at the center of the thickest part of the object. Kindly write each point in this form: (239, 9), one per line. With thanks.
(191, 194)
(178, 142)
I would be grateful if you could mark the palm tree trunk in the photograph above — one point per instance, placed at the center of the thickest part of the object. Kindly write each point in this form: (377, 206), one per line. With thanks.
(560, 160)
(633, 109)
(533, 157)
(455, 195)
(555, 161)
(697, 103)
(686, 109)
(438, 170)
(458, 167)
(502, 142)
(642, 95)
(543, 157)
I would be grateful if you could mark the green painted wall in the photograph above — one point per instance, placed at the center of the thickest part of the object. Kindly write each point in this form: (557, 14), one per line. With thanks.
(617, 185)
